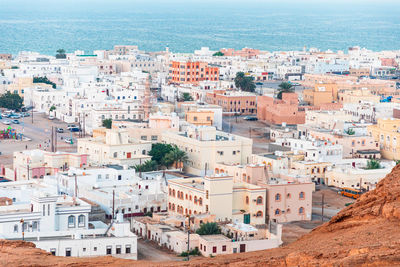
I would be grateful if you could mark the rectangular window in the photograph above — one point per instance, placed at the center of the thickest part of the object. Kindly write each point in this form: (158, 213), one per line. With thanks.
(214, 249)
(53, 251)
(68, 252)
(118, 250)
(108, 250)
(128, 249)
(223, 248)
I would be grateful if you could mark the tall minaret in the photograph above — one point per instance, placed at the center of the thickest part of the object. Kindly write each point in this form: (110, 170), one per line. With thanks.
(147, 98)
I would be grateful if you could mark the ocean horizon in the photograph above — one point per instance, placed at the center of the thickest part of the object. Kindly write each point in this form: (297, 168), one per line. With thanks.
(45, 26)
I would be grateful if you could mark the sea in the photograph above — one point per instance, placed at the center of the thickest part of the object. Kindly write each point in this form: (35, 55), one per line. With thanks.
(183, 26)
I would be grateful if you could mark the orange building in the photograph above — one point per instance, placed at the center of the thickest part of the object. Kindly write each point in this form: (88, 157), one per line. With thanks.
(322, 93)
(233, 101)
(192, 72)
(201, 117)
(277, 111)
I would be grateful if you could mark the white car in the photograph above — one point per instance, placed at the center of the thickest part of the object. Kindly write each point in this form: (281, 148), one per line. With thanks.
(68, 140)
(7, 122)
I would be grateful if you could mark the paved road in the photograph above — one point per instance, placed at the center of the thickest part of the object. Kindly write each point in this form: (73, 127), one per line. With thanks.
(149, 251)
(40, 134)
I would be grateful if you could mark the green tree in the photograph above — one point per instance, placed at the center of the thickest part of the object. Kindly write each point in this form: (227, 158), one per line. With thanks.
(284, 87)
(175, 157)
(218, 54)
(11, 101)
(244, 83)
(210, 228)
(373, 164)
(44, 80)
(158, 152)
(186, 97)
(148, 166)
(107, 123)
(52, 108)
(350, 131)
(61, 53)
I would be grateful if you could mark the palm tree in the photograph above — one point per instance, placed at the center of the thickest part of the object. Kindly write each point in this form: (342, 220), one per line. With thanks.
(284, 87)
(175, 157)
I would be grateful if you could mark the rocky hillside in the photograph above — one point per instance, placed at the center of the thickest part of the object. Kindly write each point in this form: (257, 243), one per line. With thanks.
(363, 234)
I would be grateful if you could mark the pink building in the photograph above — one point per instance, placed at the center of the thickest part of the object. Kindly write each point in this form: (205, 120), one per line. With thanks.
(245, 52)
(276, 111)
(288, 202)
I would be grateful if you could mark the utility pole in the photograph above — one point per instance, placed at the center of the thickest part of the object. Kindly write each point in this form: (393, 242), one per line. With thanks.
(113, 206)
(23, 230)
(76, 187)
(360, 184)
(250, 131)
(27, 167)
(323, 203)
(188, 233)
(52, 136)
(55, 140)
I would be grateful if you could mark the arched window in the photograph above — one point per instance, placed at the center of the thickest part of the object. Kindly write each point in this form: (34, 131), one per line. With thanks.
(115, 154)
(195, 200)
(301, 210)
(169, 191)
(173, 192)
(277, 212)
(289, 195)
(301, 195)
(288, 211)
(169, 205)
(259, 213)
(278, 197)
(200, 201)
(71, 221)
(259, 200)
(247, 199)
(81, 220)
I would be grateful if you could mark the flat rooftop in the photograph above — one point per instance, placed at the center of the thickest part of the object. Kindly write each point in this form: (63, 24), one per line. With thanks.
(214, 238)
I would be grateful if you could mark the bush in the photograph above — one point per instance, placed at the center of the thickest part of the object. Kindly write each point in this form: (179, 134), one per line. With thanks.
(210, 228)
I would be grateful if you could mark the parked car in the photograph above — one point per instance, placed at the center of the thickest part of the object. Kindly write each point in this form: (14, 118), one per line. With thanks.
(69, 140)
(25, 114)
(15, 121)
(51, 117)
(69, 126)
(14, 116)
(250, 118)
(6, 122)
(74, 129)
(60, 130)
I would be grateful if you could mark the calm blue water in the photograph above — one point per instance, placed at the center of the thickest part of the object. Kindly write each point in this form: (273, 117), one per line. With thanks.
(47, 25)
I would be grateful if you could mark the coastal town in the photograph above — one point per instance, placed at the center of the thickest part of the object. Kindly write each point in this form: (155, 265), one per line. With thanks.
(161, 155)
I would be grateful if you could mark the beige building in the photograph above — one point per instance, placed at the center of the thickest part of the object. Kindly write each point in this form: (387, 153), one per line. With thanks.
(387, 132)
(116, 147)
(35, 164)
(152, 130)
(217, 195)
(206, 146)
